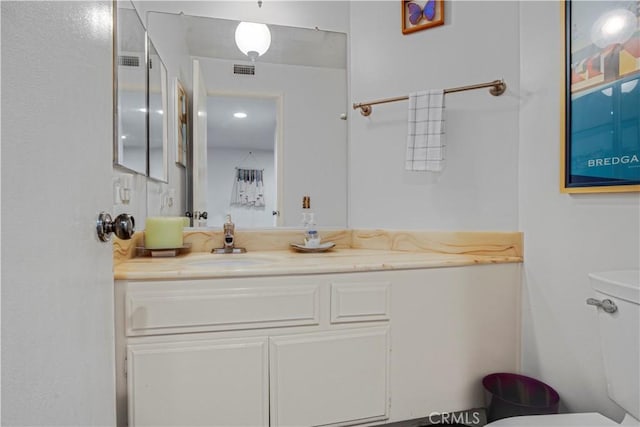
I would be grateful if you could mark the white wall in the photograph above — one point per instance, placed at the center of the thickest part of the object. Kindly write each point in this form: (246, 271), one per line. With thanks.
(221, 167)
(314, 136)
(478, 189)
(566, 236)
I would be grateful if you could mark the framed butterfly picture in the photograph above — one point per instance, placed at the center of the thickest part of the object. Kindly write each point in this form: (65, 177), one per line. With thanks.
(420, 15)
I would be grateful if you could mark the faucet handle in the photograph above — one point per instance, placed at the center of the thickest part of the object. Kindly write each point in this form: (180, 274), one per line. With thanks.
(228, 226)
(606, 304)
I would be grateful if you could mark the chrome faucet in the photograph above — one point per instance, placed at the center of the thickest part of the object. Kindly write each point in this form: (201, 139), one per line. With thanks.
(229, 239)
(229, 233)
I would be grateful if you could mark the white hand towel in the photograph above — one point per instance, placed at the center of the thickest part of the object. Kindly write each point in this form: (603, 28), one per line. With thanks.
(425, 136)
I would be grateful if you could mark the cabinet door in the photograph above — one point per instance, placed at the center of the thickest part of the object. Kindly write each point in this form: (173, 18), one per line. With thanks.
(199, 383)
(336, 377)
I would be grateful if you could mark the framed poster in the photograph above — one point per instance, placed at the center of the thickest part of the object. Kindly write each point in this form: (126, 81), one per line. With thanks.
(601, 150)
(420, 15)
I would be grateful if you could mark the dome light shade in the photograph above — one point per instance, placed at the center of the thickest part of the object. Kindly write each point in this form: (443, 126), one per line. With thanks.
(253, 39)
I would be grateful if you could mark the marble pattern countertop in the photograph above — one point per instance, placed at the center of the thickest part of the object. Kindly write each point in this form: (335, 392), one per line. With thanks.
(276, 263)
(356, 251)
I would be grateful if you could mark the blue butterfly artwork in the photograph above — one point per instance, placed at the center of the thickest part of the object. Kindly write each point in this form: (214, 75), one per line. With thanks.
(416, 12)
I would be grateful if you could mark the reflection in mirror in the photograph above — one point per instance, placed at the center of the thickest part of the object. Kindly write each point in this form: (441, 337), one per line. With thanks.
(182, 124)
(130, 145)
(306, 69)
(241, 159)
(157, 116)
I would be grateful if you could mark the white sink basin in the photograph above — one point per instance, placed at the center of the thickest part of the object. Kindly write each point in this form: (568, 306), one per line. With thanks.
(230, 261)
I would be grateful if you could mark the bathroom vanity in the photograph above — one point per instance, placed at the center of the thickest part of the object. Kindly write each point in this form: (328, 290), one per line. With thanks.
(351, 336)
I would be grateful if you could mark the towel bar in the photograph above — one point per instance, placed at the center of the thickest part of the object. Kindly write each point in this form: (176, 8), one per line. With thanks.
(498, 87)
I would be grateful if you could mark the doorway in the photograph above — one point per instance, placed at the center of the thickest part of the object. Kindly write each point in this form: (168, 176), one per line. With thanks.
(243, 145)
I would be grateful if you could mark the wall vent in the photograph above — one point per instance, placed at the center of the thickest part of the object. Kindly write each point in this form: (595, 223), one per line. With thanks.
(247, 70)
(128, 61)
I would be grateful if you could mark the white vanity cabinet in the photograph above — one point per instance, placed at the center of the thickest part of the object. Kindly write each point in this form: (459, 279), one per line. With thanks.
(252, 352)
(319, 349)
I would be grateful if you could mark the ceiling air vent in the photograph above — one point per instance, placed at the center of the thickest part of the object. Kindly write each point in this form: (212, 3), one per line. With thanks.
(128, 61)
(247, 70)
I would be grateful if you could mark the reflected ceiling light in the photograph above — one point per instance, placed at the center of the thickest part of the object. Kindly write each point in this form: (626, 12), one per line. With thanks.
(253, 39)
(613, 27)
(240, 115)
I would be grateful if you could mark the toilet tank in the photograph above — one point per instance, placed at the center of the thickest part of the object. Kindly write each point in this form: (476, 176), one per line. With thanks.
(620, 335)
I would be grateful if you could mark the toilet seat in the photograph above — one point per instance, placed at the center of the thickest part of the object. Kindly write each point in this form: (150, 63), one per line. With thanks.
(589, 419)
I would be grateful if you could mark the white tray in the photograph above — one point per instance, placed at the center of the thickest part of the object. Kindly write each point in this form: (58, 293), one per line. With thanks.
(320, 248)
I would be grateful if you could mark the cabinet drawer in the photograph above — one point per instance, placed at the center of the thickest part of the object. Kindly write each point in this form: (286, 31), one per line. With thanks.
(356, 302)
(151, 312)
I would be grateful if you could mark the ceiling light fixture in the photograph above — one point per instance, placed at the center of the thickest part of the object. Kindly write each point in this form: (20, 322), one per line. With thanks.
(240, 115)
(253, 39)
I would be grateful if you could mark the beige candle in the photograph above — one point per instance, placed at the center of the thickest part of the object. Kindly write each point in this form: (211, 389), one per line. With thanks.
(163, 232)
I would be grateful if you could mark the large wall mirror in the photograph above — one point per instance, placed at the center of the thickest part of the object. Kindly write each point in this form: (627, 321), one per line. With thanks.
(276, 124)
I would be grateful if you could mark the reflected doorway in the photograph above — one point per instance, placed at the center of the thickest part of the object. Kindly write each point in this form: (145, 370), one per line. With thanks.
(243, 145)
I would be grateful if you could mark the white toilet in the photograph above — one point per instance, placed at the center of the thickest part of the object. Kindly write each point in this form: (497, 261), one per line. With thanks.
(618, 302)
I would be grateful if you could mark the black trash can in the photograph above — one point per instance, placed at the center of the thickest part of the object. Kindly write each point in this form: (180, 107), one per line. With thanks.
(510, 395)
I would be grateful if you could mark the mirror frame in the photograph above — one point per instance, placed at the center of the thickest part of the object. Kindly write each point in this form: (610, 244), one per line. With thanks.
(568, 181)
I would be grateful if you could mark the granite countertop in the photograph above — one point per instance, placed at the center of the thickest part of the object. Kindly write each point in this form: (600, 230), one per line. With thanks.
(200, 265)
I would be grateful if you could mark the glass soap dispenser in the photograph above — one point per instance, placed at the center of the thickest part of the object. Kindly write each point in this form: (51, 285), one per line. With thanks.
(311, 236)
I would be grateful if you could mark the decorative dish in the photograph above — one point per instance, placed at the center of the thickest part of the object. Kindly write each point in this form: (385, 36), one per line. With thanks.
(168, 252)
